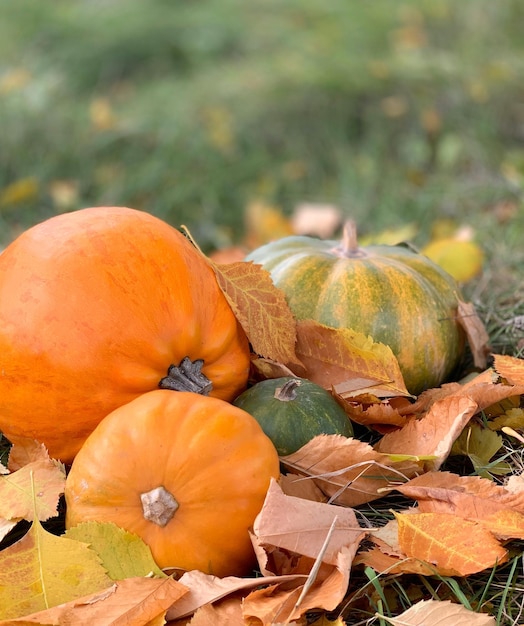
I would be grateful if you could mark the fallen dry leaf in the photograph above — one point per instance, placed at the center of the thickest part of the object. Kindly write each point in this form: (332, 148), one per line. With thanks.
(204, 589)
(227, 612)
(34, 487)
(434, 434)
(511, 368)
(300, 526)
(284, 606)
(260, 308)
(25, 451)
(335, 357)
(378, 414)
(349, 471)
(439, 613)
(470, 497)
(477, 336)
(317, 220)
(456, 547)
(301, 487)
(133, 602)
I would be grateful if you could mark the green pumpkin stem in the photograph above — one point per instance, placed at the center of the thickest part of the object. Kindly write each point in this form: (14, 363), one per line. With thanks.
(288, 391)
(348, 247)
(187, 376)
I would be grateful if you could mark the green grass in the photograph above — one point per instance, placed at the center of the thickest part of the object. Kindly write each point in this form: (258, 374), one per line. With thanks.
(407, 112)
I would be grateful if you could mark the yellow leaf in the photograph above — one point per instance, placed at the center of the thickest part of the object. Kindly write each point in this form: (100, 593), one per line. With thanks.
(390, 237)
(127, 602)
(45, 477)
(123, 554)
(264, 223)
(260, 308)
(455, 546)
(22, 190)
(41, 570)
(101, 114)
(333, 357)
(14, 80)
(461, 259)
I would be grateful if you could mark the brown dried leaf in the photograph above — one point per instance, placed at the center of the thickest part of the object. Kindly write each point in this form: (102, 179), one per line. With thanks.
(470, 497)
(334, 357)
(439, 613)
(477, 336)
(206, 589)
(35, 486)
(260, 308)
(456, 547)
(25, 451)
(301, 487)
(300, 526)
(511, 368)
(374, 414)
(280, 606)
(434, 434)
(384, 563)
(227, 612)
(133, 601)
(266, 368)
(349, 471)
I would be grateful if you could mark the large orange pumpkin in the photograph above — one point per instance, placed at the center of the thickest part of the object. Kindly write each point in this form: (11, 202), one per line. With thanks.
(186, 473)
(95, 306)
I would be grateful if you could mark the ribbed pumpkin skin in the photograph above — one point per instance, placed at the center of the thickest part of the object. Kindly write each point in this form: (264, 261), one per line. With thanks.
(395, 295)
(211, 456)
(290, 424)
(95, 306)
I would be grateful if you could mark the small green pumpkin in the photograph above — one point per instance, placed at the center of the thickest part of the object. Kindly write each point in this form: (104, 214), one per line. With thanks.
(291, 411)
(394, 294)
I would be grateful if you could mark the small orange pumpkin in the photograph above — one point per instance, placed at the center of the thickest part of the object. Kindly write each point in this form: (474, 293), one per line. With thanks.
(95, 306)
(186, 473)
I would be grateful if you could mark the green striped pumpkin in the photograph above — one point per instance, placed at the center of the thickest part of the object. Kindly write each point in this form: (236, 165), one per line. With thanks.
(394, 294)
(291, 411)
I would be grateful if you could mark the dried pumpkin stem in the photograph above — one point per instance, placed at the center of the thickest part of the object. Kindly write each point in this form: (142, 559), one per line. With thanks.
(187, 376)
(158, 505)
(348, 247)
(288, 391)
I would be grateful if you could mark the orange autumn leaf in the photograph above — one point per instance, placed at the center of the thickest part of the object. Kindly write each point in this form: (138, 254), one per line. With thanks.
(335, 357)
(456, 547)
(133, 601)
(434, 434)
(205, 589)
(505, 524)
(227, 612)
(276, 605)
(511, 368)
(374, 413)
(470, 497)
(383, 562)
(260, 308)
(349, 471)
(300, 526)
(476, 333)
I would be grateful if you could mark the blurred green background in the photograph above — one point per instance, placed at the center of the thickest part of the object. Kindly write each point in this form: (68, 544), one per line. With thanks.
(396, 112)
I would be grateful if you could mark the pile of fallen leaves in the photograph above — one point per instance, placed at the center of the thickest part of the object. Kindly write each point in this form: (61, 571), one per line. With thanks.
(310, 537)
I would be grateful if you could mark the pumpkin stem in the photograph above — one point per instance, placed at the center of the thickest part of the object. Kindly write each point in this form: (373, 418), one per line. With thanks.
(187, 377)
(158, 506)
(288, 391)
(348, 247)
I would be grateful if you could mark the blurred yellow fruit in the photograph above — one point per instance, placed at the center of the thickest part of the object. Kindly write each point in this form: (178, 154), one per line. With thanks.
(460, 258)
